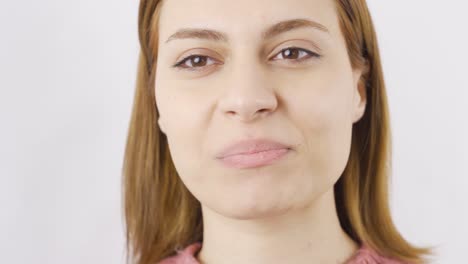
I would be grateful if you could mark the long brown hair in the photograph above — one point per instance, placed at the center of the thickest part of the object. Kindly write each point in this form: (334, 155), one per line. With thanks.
(161, 215)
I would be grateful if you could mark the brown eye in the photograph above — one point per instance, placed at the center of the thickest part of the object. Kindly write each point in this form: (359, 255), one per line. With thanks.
(290, 53)
(198, 61)
(194, 62)
(296, 54)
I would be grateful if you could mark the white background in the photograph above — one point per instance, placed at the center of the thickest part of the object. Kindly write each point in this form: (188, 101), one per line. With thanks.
(67, 74)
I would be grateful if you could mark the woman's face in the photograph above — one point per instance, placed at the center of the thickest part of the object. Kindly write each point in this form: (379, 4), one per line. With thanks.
(293, 84)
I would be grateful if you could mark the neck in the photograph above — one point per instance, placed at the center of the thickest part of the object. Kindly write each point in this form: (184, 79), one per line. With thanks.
(310, 235)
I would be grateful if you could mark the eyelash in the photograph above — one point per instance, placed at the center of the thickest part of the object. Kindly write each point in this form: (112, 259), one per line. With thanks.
(309, 55)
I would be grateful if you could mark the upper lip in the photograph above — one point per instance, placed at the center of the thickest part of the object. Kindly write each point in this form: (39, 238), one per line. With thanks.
(250, 146)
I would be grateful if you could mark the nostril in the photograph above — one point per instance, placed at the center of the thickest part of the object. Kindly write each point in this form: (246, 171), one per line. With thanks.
(264, 110)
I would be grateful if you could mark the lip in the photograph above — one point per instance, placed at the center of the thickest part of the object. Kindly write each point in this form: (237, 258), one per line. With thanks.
(253, 153)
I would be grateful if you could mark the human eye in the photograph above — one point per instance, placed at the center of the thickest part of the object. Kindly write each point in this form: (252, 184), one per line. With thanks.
(194, 62)
(296, 54)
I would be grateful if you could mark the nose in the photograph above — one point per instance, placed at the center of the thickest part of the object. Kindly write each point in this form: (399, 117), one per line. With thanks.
(249, 94)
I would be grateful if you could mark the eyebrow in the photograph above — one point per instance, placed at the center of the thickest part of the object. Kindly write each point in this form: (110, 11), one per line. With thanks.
(272, 31)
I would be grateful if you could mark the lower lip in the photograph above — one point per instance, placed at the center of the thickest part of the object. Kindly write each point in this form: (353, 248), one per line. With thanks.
(258, 159)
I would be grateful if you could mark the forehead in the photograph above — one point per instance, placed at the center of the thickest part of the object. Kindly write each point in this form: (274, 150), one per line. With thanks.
(242, 17)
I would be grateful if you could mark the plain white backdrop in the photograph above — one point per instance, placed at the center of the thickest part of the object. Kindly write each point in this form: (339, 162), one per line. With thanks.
(67, 75)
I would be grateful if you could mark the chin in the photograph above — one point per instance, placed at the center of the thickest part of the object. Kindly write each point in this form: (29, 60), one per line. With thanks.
(253, 209)
(250, 214)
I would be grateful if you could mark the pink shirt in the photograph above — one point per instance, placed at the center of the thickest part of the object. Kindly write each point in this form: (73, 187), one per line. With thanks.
(363, 255)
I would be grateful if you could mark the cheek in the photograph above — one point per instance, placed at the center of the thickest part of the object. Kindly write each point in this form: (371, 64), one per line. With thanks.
(320, 109)
(180, 108)
(182, 112)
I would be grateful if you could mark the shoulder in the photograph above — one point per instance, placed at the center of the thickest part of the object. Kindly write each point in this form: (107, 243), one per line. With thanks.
(366, 255)
(184, 256)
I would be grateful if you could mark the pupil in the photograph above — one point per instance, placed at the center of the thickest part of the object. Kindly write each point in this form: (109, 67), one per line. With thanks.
(198, 60)
(290, 53)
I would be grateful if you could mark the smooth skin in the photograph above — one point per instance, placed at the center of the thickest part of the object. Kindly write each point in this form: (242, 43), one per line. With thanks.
(242, 86)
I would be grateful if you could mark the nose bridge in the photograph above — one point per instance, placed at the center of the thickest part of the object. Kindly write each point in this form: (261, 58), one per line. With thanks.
(248, 89)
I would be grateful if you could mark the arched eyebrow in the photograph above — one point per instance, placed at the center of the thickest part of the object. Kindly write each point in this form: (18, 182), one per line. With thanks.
(270, 32)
